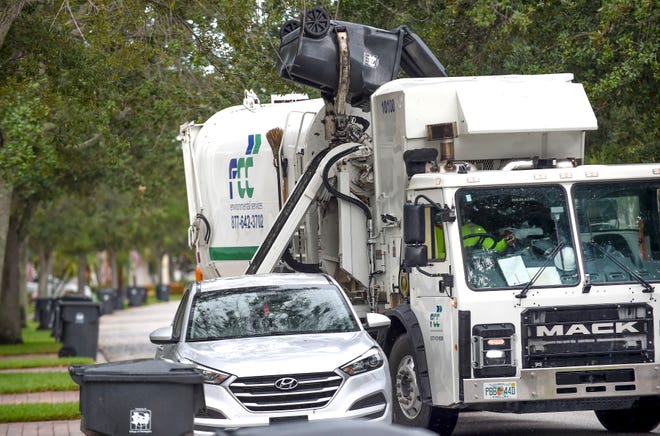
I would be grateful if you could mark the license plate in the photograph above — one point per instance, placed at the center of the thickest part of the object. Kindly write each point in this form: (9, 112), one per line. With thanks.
(284, 419)
(500, 391)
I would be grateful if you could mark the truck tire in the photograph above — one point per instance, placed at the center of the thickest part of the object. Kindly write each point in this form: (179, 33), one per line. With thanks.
(408, 407)
(643, 417)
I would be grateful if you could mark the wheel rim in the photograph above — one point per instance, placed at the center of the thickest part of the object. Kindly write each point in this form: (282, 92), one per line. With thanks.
(316, 22)
(406, 388)
(289, 27)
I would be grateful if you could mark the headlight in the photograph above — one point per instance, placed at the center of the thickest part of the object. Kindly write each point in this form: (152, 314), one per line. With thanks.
(369, 361)
(493, 350)
(211, 376)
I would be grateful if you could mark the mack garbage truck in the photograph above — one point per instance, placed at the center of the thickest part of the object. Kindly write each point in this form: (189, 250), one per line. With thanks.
(517, 278)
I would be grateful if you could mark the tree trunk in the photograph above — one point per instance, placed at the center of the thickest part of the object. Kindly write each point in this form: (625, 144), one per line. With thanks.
(5, 209)
(45, 271)
(10, 321)
(9, 10)
(165, 269)
(82, 273)
(23, 301)
(114, 272)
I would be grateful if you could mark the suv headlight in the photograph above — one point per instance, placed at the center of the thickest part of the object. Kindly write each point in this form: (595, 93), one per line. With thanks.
(211, 376)
(369, 361)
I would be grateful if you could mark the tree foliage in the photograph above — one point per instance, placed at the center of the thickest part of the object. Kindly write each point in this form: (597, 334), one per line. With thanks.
(610, 46)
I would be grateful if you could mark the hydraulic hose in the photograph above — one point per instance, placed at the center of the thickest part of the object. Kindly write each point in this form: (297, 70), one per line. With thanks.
(288, 258)
(335, 192)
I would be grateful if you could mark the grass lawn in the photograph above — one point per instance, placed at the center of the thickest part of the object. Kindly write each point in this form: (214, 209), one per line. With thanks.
(39, 412)
(42, 362)
(37, 342)
(34, 342)
(21, 382)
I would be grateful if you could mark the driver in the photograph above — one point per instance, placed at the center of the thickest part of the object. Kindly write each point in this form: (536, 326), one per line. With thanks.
(487, 242)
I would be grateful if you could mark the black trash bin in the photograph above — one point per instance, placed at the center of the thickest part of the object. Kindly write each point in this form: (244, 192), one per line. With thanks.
(43, 312)
(163, 292)
(77, 327)
(136, 296)
(107, 298)
(309, 54)
(56, 323)
(144, 396)
(120, 298)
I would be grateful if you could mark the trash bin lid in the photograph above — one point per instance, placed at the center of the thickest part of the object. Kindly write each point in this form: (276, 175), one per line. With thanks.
(130, 371)
(73, 297)
(80, 312)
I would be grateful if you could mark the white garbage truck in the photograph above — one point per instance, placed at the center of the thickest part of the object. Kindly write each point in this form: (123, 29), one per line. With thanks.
(517, 278)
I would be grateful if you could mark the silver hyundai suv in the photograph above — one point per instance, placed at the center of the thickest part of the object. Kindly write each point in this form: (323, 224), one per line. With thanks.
(278, 347)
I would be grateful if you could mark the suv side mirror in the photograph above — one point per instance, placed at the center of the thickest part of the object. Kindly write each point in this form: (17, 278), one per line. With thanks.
(162, 335)
(377, 320)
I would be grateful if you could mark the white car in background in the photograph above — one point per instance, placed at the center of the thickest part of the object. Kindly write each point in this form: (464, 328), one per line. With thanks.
(56, 288)
(278, 347)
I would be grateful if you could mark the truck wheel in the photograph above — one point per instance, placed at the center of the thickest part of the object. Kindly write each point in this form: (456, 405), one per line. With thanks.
(641, 418)
(408, 406)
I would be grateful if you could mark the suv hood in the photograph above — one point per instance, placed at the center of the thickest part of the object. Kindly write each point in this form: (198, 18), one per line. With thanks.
(247, 357)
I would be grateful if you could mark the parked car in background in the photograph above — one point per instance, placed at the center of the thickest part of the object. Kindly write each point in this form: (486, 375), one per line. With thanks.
(57, 288)
(52, 287)
(278, 348)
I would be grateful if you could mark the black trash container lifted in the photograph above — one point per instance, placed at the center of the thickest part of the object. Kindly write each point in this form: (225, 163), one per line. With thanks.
(78, 328)
(309, 53)
(144, 396)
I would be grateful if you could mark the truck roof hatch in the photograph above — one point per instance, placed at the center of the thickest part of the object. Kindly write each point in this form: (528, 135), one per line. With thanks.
(525, 107)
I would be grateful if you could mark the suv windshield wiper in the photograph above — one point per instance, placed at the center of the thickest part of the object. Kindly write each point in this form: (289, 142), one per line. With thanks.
(647, 286)
(551, 256)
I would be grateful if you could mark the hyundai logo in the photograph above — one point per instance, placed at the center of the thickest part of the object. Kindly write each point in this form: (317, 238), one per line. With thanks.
(286, 383)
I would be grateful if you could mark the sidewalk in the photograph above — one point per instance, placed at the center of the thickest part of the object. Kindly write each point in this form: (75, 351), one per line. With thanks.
(123, 335)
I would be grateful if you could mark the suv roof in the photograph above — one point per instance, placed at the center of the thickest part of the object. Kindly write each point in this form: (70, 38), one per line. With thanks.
(276, 279)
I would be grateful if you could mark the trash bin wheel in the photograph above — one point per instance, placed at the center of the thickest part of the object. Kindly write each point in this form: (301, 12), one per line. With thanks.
(67, 352)
(316, 22)
(288, 27)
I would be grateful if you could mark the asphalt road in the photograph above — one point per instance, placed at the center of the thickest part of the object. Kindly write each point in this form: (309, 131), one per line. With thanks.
(537, 424)
(124, 335)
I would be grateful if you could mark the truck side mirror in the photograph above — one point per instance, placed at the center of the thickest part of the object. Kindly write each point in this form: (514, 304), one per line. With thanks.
(414, 235)
(413, 224)
(415, 255)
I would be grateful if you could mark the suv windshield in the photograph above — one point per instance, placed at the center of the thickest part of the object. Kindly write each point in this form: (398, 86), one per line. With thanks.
(620, 230)
(514, 235)
(272, 310)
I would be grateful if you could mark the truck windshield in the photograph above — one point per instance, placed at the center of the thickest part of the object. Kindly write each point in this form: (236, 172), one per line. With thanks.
(510, 233)
(620, 230)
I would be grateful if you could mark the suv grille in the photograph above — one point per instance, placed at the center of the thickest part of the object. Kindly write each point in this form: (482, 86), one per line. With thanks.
(312, 391)
(591, 335)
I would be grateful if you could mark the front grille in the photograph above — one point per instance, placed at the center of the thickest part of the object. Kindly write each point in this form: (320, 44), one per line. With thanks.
(587, 335)
(313, 391)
